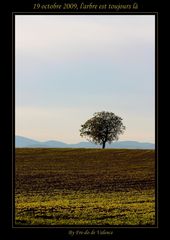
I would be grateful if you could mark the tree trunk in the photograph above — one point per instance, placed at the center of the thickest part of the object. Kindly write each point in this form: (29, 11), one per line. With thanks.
(103, 146)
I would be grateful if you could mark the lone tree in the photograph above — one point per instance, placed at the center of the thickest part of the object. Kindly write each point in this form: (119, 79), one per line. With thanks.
(102, 127)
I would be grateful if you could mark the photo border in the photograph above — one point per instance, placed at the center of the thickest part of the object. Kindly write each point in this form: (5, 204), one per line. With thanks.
(156, 125)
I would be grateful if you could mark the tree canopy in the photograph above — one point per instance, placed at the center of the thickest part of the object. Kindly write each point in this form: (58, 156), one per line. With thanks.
(102, 127)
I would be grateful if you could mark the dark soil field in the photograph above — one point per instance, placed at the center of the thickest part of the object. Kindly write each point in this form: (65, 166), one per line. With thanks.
(84, 187)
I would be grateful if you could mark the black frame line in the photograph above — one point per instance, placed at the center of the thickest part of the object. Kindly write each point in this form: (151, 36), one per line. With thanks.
(156, 226)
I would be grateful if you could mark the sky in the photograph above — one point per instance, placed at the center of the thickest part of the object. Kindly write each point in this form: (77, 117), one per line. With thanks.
(67, 67)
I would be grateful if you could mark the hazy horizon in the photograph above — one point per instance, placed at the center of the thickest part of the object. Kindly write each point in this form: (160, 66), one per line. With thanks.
(70, 66)
(83, 140)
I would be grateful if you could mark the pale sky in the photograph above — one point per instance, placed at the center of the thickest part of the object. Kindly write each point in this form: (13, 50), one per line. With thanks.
(71, 66)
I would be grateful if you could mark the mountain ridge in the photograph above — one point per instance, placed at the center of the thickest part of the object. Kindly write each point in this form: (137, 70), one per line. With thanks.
(23, 142)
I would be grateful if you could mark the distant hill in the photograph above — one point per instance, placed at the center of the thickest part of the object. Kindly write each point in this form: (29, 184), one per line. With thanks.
(23, 142)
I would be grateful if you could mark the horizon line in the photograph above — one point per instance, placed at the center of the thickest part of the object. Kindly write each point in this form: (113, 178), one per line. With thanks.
(83, 141)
